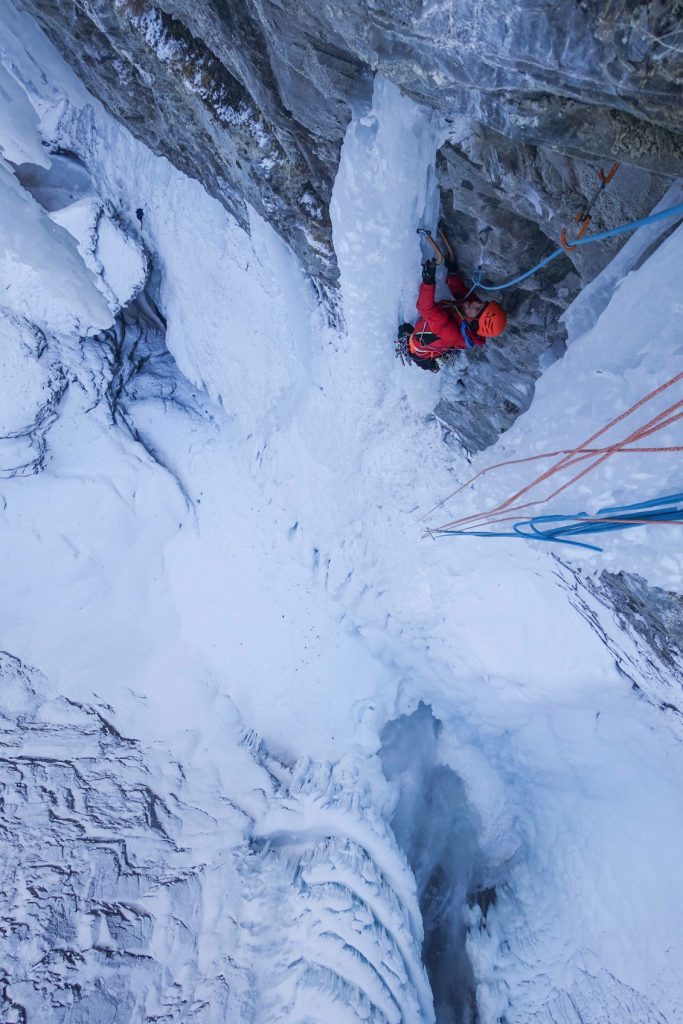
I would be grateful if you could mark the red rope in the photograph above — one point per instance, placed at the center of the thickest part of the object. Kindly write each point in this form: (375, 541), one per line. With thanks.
(584, 452)
(573, 456)
(653, 425)
(583, 447)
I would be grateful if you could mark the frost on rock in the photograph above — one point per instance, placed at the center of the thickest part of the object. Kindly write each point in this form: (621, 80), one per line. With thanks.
(256, 544)
(649, 649)
(123, 901)
(32, 384)
(116, 259)
(347, 938)
(99, 893)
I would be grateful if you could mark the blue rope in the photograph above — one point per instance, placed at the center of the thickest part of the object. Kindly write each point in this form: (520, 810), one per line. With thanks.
(669, 507)
(466, 337)
(622, 229)
(476, 281)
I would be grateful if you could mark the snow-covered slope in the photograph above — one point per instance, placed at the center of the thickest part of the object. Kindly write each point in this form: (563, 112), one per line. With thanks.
(222, 533)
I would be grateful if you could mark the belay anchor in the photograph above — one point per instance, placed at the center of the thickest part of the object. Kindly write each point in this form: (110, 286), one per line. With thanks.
(583, 217)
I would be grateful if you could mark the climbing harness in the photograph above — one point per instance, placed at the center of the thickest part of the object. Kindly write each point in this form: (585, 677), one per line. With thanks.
(583, 217)
(405, 350)
(401, 344)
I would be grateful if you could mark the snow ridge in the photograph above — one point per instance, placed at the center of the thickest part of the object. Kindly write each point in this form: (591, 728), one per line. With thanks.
(113, 904)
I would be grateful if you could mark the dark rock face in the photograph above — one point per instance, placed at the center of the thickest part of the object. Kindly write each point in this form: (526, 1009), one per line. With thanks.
(253, 100)
(655, 616)
(505, 203)
(650, 618)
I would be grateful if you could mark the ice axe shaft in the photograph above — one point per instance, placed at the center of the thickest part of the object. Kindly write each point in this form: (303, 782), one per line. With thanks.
(449, 248)
(438, 255)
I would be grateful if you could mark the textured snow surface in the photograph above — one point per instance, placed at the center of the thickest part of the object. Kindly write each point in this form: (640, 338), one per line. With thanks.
(117, 260)
(223, 537)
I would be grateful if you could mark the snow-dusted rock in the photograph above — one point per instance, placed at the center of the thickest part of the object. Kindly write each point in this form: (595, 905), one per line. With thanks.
(32, 385)
(116, 259)
(254, 103)
(101, 901)
(111, 911)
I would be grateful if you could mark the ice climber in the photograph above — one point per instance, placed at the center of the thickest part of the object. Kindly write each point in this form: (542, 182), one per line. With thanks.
(460, 323)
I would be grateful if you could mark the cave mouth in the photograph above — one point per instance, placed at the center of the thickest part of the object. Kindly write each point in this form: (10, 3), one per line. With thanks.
(437, 830)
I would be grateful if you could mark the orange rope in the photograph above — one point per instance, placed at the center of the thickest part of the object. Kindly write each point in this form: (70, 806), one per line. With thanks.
(657, 423)
(584, 452)
(573, 456)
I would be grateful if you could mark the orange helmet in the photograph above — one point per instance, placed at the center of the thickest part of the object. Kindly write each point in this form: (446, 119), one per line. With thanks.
(492, 320)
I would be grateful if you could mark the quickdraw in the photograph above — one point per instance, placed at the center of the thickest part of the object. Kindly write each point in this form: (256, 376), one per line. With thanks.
(583, 217)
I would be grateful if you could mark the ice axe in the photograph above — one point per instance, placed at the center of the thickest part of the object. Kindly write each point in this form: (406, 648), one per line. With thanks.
(438, 255)
(450, 255)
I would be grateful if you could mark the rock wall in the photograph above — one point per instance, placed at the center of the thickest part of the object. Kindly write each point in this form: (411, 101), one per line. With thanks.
(253, 100)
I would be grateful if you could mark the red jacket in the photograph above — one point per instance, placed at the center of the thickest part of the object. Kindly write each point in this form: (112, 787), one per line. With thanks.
(442, 319)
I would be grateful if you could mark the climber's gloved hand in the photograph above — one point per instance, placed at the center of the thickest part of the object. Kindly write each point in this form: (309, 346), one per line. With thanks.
(451, 265)
(429, 272)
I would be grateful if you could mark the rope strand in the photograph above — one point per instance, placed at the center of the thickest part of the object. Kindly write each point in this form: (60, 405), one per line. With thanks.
(570, 458)
(674, 211)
